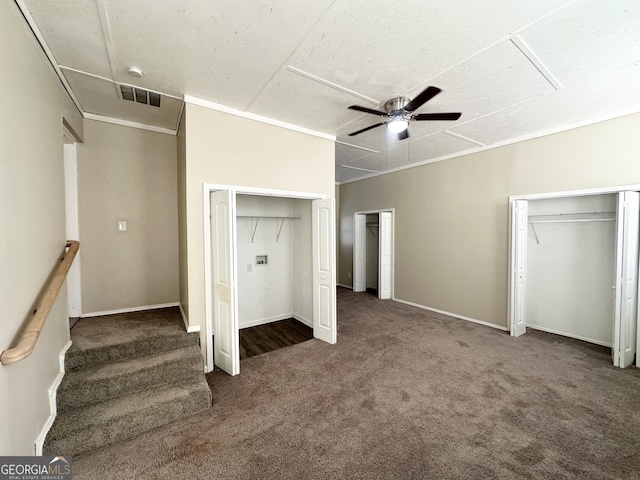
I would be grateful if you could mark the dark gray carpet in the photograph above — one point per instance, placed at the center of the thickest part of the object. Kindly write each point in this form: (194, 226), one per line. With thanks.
(404, 394)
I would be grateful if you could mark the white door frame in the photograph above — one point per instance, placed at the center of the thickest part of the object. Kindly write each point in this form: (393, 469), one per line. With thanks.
(207, 188)
(393, 249)
(72, 222)
(511, 318)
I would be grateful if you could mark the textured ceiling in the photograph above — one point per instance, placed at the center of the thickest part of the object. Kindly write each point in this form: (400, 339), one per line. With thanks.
(515, 69)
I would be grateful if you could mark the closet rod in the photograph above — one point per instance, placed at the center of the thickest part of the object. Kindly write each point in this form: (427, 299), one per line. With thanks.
(573, 217)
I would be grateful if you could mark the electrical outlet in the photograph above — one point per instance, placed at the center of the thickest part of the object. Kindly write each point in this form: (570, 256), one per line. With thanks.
(348, 274)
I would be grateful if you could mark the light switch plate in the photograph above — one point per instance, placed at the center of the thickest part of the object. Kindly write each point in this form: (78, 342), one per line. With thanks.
(122, 225)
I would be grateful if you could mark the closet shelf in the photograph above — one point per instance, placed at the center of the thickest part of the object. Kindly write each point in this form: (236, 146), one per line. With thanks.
(268, 216)
(257, 218)
(573, 217)
(581, 217)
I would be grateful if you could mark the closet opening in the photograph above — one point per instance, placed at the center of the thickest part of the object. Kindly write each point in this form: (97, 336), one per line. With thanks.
(372, 248)
(574, 268)
(269, 272)
(275, 281)
(373, 253)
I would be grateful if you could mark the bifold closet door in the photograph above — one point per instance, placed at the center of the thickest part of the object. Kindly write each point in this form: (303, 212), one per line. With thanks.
(626, 279)
(518, 292)
(385, 234)
(359, 253)
(226, 346)
(324, 270)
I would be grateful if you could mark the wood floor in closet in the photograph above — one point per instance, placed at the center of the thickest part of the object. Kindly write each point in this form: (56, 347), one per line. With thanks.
(272, 336)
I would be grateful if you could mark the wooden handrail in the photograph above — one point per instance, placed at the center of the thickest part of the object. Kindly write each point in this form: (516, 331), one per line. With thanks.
(27, 340)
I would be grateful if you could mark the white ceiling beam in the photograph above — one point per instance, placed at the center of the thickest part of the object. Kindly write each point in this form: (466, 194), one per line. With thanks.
(519, 42)
(340, 88)
(462, 137)
(108, 39)
(356, 146)
(358, 168)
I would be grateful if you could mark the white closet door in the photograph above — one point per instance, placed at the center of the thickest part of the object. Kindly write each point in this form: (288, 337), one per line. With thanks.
(518, 299)
(226, 348)
(626, 279)
(385, 232)
(324, 270)
(359, 253)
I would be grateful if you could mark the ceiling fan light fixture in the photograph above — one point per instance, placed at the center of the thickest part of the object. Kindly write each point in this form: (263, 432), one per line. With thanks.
(398, 124)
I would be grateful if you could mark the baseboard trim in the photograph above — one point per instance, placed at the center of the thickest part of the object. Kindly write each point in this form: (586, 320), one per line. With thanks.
(53, 390)
(455, 315)
(305, 320)
(129, 310)
(263, 321)
(344, 286)
(190, 329)
(563, 334)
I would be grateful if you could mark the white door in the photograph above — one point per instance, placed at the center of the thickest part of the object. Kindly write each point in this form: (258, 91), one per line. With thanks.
(517, 294)
(226, 349)
(359, 253)
(385, 247)
(324, 270)
(626, 279)
(74, 292)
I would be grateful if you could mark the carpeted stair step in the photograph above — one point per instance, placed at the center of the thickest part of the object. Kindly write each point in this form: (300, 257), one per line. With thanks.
(101, 383)
(84, 429)
(114, 338)
(126, 374)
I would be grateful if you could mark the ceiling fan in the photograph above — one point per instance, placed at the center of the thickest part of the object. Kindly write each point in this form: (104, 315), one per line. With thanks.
(400, 110)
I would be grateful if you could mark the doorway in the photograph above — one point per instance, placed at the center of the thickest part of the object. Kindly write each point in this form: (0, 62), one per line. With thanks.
(373, 252)
(574, 267)
(72, 225)
(255, 273)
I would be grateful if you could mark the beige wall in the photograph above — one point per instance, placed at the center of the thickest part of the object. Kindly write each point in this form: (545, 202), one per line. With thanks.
(127, 174)
(33, 226)
(182, 218)
(231, 150)
(451, 242)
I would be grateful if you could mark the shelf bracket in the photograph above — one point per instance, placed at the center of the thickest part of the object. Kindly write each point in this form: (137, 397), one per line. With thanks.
(255, 227)
(280, 229)
(535, 234)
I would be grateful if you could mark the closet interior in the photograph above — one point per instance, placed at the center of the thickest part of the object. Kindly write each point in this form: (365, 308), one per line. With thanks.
(571, 266)
(274, 262)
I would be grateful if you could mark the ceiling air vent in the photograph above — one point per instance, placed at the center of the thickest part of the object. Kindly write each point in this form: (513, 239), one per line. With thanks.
(138, 95)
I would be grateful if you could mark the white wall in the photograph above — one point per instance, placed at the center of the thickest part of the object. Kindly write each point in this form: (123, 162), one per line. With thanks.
(32, 214)
(571, 271)
(303, 263)
(265, 292)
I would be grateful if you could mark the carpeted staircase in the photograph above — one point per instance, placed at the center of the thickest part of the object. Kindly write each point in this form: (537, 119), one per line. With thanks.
(126, 374)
